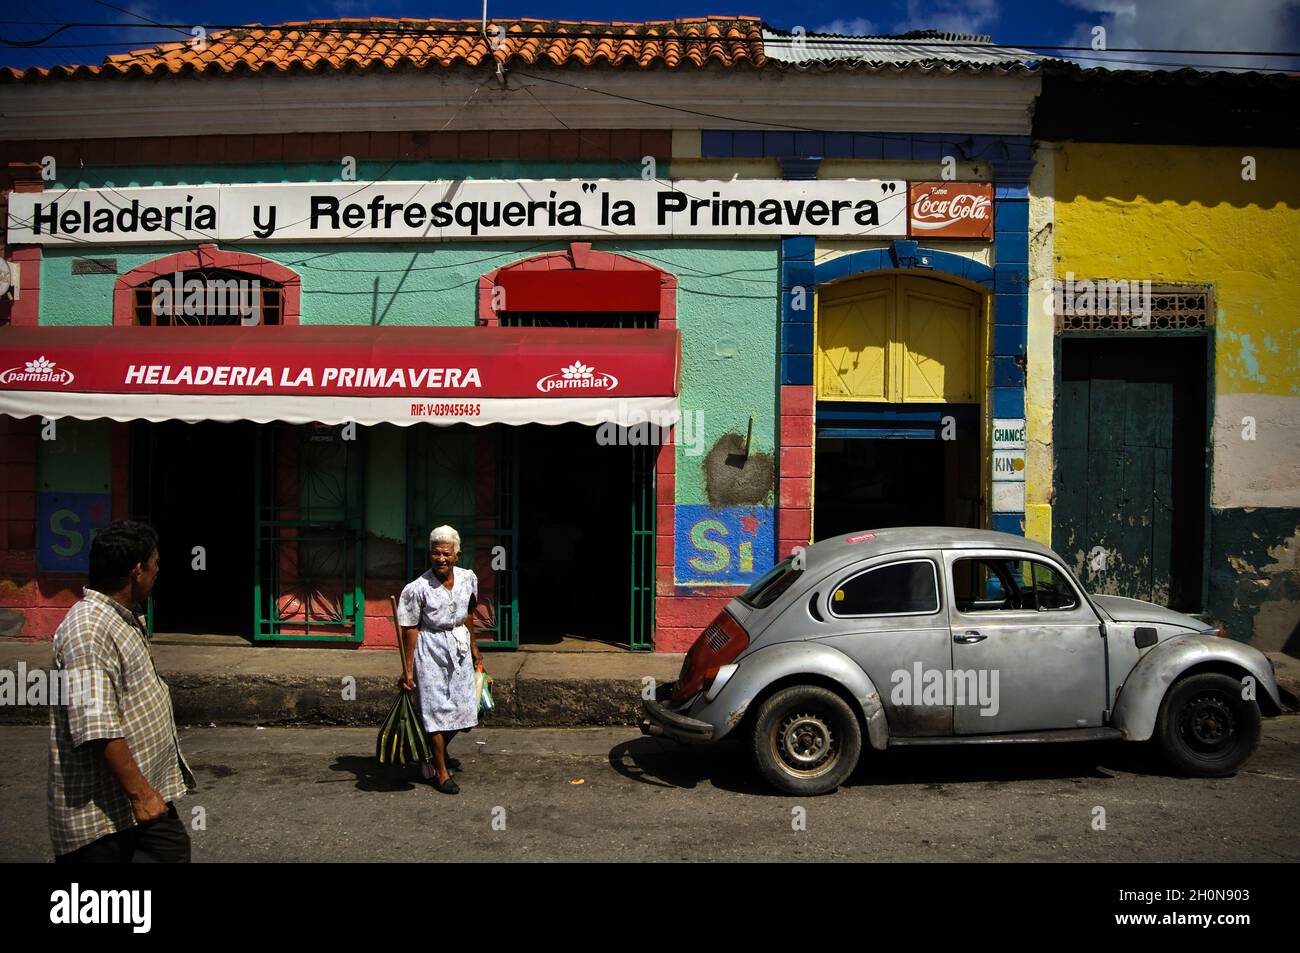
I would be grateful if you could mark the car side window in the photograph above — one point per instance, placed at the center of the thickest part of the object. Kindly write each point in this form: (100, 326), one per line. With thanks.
(902, 588)
(992, 585)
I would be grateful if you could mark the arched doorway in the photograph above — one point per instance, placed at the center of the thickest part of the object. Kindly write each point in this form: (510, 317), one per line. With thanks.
(899, 373)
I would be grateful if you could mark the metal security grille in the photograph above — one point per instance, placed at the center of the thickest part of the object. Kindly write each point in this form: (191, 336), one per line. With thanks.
(218, 303)
(642, 581)
(1106, 304)
(310, 549)
(579, 319)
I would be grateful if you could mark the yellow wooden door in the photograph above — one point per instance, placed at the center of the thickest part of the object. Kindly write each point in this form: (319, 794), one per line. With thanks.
(853, 335)
(898, 339)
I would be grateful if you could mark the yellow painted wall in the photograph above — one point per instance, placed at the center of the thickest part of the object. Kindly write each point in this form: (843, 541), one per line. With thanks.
(1184, 214)
(1040, 387)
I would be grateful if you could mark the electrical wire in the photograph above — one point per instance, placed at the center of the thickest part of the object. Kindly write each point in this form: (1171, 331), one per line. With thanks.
(367, 28)
(344, 27)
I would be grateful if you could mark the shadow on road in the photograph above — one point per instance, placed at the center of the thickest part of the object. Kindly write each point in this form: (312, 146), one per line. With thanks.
(728, 766)
(665, 764)
(1000, 764)
(370, 776)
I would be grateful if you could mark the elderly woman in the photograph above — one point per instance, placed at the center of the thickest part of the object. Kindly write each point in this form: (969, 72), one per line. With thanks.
(436, 616)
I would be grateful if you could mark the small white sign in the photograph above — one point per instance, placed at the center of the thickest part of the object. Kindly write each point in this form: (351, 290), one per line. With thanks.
(1008, 433)
(1008, 497)
(1008, 466)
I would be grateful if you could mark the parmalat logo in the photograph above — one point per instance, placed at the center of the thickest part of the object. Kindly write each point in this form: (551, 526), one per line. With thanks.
(577, 376)
(39, 371)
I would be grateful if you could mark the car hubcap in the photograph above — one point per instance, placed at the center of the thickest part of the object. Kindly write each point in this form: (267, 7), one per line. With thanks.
(1208, 723)
(805, 744)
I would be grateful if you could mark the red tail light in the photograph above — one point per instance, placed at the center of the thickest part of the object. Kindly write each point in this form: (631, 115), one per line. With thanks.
(718, 645)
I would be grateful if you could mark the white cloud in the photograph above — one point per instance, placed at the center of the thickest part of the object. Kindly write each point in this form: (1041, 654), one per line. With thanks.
(859, 26)
(1187, 25)
(949, 16)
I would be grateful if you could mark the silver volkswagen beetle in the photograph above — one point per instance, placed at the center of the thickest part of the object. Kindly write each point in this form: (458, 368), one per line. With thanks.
(936, 635)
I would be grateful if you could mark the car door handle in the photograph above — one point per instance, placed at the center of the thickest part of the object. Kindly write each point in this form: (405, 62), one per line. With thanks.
(970, 635)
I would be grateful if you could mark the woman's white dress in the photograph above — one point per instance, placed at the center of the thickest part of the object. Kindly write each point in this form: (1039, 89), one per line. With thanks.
(444, 666)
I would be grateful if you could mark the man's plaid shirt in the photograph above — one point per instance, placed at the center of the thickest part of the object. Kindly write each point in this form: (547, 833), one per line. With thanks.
(102, 652)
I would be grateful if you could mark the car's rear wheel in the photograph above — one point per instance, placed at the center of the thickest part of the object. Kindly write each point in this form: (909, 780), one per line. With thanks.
(1206, 728)
(806, 740)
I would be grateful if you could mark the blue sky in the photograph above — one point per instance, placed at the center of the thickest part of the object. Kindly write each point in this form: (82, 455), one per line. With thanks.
(1180, 24)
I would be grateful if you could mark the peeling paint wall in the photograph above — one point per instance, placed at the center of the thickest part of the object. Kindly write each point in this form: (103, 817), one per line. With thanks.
(1040, 368)
(1255, 576)
(1185, 215)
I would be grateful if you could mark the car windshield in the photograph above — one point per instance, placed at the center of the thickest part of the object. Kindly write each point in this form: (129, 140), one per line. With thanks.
(774, 582)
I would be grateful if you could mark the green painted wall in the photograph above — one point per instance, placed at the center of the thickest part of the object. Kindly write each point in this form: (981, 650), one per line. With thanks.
(726, 301)
(78, 460)
(727, 295)
(386, 482)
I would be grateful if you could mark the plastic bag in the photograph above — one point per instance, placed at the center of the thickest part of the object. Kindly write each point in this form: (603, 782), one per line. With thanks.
(483, 690)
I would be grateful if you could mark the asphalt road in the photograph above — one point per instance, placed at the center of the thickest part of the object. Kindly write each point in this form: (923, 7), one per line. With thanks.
(315, 795)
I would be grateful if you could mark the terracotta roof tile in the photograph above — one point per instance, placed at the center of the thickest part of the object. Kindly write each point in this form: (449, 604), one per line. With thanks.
(385, 44)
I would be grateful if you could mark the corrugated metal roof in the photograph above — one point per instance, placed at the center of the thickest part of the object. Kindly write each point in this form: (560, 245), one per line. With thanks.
(918, 48)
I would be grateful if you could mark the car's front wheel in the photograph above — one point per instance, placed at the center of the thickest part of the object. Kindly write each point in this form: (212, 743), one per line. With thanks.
(806, 740)
(1206, 728)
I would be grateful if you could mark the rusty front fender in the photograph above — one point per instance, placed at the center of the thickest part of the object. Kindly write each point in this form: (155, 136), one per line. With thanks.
(1138, 704)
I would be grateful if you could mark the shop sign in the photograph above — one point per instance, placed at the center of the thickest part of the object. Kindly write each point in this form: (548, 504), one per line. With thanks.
(557, 209)
(731, 545)
(951, 210)
(1008, 433)
(1008, 464)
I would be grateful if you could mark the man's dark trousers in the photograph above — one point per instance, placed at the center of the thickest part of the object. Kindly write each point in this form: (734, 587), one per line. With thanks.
(161, 841)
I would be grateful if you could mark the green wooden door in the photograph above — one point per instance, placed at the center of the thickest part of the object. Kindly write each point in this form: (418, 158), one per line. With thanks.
(1114, 486)
(1114, 511)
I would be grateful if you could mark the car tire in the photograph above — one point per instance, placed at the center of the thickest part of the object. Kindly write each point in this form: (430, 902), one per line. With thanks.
(806, 740)
(1205, 728)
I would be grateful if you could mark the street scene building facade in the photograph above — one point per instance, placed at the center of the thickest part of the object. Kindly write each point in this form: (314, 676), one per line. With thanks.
(1171, 353)
(300, 293)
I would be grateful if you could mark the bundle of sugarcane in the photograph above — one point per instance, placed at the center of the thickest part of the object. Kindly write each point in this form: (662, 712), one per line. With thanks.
(401, 739)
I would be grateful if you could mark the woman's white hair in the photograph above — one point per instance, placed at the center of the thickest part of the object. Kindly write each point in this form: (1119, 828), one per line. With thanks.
(445, 534)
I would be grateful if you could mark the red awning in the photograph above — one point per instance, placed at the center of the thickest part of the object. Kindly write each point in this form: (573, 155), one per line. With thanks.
(335, 374)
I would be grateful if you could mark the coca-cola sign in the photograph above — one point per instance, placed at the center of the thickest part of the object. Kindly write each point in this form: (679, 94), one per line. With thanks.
(951, 210)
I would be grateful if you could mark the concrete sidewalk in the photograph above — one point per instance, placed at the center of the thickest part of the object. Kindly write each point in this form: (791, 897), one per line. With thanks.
(240, 684)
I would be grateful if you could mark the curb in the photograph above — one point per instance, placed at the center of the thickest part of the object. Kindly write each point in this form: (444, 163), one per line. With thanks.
(241, 700)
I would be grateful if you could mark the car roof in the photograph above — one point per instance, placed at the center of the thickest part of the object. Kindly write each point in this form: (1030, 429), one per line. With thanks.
(829, 554)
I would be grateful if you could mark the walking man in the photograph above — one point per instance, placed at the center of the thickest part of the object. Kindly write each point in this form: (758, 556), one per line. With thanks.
(115, 761)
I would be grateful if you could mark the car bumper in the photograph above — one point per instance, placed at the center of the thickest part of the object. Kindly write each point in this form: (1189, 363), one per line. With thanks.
(660, 721)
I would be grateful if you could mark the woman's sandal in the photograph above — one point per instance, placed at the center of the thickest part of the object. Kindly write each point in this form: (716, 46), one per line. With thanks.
(453, 764)
(447, 787)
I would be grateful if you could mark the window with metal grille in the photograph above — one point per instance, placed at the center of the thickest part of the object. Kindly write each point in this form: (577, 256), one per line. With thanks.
(1108, 304)
(208, 296)
(579, 319)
